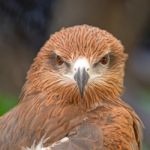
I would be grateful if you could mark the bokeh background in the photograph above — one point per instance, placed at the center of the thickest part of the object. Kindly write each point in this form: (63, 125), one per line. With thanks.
(26, 24)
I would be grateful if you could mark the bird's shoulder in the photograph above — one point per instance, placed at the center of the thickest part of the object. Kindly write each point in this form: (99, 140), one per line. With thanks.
(118, 120)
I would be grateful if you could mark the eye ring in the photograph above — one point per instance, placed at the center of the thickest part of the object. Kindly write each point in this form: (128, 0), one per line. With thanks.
(105, 59)
(59, 60)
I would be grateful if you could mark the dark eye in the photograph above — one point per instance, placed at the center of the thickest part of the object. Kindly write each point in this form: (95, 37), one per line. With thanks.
(104, 60)
(59, 60)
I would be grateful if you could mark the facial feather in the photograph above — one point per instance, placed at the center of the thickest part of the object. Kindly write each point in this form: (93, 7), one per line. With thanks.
(71, 44)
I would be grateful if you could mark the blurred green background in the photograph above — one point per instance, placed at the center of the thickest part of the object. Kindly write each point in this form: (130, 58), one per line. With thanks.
(26, 24)
(6, 103)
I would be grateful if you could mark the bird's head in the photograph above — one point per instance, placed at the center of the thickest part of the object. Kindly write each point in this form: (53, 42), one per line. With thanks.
(79, 64)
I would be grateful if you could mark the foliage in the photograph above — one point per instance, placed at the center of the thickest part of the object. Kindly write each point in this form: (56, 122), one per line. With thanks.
(6, 103)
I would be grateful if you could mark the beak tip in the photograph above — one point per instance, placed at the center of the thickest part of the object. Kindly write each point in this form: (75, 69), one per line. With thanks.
(81, 94)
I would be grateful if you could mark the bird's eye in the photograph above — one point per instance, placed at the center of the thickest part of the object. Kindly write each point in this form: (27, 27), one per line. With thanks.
(59, 60)
(104, 60)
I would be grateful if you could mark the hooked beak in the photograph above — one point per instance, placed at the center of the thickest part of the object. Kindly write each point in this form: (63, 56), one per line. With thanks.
(81, 77)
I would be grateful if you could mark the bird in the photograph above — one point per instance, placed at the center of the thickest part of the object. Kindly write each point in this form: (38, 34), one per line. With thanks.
(71, 99)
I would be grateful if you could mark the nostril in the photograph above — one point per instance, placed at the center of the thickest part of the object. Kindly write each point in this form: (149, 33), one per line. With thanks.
(87, 69)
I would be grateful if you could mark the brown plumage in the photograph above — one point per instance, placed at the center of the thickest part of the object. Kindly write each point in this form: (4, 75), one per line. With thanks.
(73, 90)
